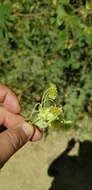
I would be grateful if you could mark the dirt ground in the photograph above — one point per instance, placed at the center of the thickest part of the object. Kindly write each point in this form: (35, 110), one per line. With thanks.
(54, 163)
(28, 168)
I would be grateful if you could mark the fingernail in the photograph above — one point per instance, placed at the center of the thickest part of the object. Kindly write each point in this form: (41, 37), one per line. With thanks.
(37, 135)
(28, 130)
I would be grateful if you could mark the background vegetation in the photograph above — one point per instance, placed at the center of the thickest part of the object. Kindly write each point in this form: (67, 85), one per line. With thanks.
(44, 42)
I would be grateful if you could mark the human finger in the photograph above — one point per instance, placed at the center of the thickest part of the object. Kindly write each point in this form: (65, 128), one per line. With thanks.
(13, 121)
(9, 99)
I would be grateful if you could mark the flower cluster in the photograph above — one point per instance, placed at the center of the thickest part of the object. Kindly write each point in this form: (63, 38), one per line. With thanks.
(49, 114)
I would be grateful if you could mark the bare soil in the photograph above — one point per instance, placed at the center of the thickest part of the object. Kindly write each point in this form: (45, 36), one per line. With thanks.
(54, 163)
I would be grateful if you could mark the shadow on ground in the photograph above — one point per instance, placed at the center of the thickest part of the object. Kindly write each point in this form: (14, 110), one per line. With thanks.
(73, 172)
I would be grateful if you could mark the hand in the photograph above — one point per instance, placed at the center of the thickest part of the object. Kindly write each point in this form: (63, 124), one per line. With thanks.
(18, 131)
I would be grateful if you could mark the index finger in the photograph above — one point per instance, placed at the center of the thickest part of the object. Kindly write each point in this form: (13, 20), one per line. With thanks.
(9, 99)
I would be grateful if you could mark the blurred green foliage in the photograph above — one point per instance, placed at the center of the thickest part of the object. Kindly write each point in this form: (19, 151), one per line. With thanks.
(44, 42)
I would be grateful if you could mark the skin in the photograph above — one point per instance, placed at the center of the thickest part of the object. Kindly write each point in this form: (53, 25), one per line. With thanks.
(18, 132)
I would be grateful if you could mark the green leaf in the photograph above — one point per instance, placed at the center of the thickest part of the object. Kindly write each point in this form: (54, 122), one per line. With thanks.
(61, 14)
(74, 20)
(41, 124)
(4, 11)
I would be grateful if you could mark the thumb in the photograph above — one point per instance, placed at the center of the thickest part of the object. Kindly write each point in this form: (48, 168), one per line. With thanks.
(13, 139)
